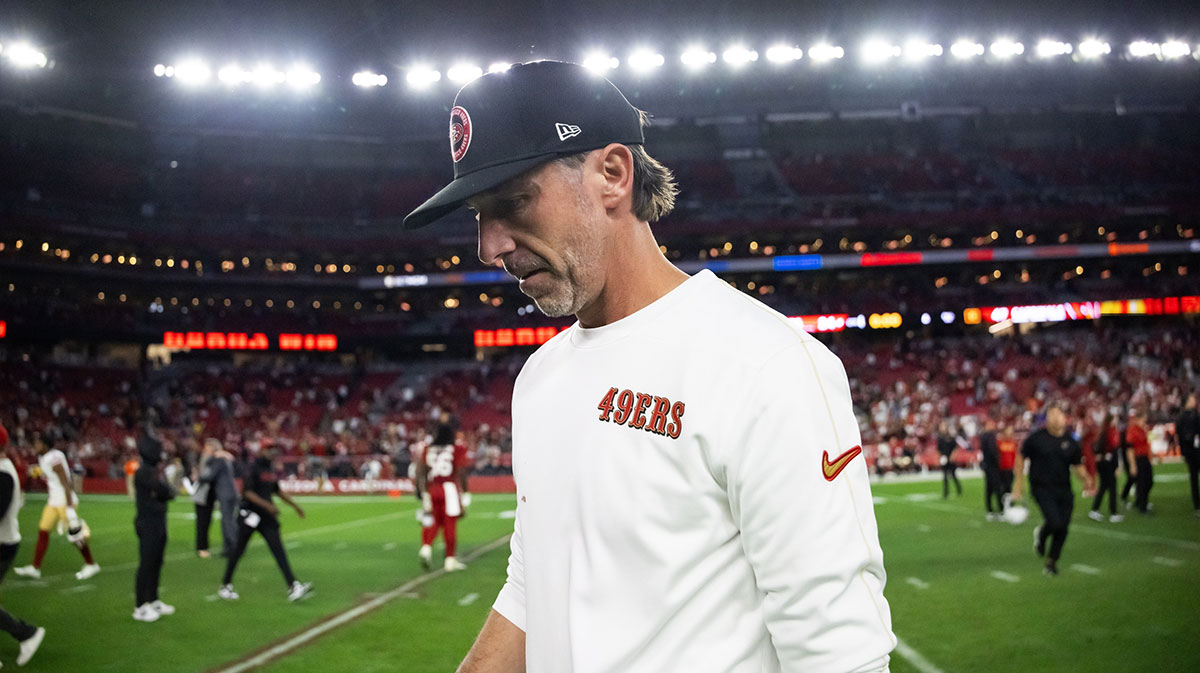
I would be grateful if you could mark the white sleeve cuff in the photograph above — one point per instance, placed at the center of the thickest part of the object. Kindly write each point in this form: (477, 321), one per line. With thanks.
(511, 605)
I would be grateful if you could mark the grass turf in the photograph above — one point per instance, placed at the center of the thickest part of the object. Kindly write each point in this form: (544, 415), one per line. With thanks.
(967, 595)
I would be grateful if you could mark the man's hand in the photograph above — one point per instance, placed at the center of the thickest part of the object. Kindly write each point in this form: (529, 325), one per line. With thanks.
(299, 511)
(272, 509)
(427, 501)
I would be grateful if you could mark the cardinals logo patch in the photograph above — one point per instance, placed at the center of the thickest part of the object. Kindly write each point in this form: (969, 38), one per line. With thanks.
(460, 133)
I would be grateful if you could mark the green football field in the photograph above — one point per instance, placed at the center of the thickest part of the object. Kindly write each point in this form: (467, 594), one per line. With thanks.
(966, 595)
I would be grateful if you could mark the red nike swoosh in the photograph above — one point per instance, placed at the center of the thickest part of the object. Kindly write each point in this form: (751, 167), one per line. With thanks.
(834, 468)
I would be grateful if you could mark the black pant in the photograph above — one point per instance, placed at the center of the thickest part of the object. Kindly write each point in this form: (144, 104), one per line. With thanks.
(152, 544)
(269, 529)
(1130, 480)
(14, 626)
(1192, 456)
(1057, 505)
(204, 514)
(949, 471)
(1006, 482)
(229, 524)
(1145, 481)
(993, 489)
(1108, 484)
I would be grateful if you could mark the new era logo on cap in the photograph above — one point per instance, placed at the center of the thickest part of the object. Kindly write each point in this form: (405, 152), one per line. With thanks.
(566, 131)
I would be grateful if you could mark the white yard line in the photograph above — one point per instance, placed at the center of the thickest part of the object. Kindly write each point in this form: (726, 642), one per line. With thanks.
(918, 583)
(1169, 562)
(1085, 569)
(468, 599)
(1005, 577)
(314, 632)
(914, 657)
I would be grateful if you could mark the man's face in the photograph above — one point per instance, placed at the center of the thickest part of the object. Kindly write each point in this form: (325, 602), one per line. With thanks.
(1056, 421)
(545, 230)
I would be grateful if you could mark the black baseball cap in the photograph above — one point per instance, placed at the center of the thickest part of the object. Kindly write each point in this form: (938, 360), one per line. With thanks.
(506, 123)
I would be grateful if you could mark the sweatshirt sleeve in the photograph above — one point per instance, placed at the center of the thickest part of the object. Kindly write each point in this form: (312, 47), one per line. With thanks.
(799, 493)
(511, 601)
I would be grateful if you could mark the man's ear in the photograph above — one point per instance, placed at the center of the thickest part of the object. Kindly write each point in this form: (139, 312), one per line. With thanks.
(616, 166)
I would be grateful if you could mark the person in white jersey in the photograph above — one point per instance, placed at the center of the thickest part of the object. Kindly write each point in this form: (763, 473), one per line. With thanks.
(28, 636)
(60, 511)
(691, 494)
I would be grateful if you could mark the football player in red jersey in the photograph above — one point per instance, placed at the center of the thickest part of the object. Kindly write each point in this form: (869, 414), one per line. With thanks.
(441, 484)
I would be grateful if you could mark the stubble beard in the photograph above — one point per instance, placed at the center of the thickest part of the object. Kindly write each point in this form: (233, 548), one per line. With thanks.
(568, 294)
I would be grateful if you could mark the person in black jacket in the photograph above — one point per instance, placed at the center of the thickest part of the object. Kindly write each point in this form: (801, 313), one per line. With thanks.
(260, 514)
(1187, 430)
(152, 494)
(990, 462)
(947, 442)
(215, 487)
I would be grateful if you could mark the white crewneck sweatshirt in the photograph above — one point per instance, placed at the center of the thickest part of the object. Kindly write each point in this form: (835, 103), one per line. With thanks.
(674, 511)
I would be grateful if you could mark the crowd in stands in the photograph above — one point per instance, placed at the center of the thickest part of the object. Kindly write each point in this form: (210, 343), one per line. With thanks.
(332, 421)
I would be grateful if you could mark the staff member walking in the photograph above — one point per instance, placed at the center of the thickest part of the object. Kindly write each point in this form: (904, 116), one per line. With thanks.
(947, 442)
(1108, 445)
(28, 636)
(742, 535)
(1051, 452)
(152, 493)
(993, 489)
(259, 513)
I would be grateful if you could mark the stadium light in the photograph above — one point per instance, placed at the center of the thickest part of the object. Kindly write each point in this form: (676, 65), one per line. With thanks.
(738, 56)
(192, 72)
(966, 49)
(697, 58)
(823, 52)
(232, 75)
(645, 60)
(499, 66)
(160, 70)
(302, 78)
(600, 62)
(1143, 49)
(421, 77)
(784, 53)
(916, 51)
(1092, 48)
(367, 79)
(461, 73)
(266, 76)
(879, 51)
(1175, 49)
(1052, 48)
(24, 55)
(1004, 48)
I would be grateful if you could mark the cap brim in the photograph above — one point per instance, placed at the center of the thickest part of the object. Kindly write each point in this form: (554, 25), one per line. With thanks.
(452, 195)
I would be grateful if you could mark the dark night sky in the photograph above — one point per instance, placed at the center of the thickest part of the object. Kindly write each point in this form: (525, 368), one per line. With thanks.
(132, 34)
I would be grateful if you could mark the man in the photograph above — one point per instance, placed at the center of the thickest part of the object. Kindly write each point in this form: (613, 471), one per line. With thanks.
(259, 513)
(28, 636)
(152, 495)
(441, 486)
(60, 510)
(1138, 441)
(947, 442)
(1108, 443)
(993, 490)
(215, 486)
(690, 495)
(1187, 429)
(1006, 447)
(1051, 451)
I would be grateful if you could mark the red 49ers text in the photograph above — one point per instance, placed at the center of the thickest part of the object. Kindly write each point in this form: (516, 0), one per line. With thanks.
(642, 411)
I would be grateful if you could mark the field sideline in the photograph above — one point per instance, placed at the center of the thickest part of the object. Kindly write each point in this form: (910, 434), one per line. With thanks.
(966, 595)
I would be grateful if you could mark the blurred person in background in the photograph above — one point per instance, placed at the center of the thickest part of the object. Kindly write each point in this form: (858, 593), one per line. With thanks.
(215, 486)
(1138, 440)
(130, 468)
(28, 636)
(259, 513)
(1107, 446)
(1187, 431)
(60, 511)
(153, 493)
(1051, 451)
(441, 486)
(947, 443)
(993, 489)
(1006, 449)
